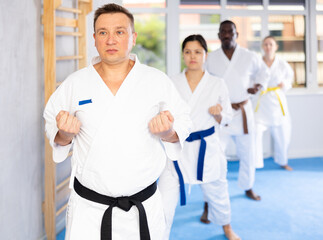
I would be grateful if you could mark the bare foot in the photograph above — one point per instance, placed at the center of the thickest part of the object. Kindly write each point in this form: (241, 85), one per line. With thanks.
(229, 233)
(286, 167)
(250, 194)
(203, 218)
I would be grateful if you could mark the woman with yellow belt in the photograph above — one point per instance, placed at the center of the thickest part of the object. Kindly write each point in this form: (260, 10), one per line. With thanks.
(271, 110)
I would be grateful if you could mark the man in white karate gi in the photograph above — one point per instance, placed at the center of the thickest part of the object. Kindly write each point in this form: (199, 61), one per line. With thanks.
(124, 119)
(244, 73)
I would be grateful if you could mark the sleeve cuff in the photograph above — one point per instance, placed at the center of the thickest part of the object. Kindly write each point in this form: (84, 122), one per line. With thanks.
(225, 119)
(60, 153)
(173, 150)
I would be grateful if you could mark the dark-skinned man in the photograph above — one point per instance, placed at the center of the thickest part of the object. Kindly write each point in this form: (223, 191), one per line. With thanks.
(244, 74)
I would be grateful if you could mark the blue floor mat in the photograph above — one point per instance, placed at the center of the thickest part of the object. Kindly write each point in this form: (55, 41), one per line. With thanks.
(291, 207)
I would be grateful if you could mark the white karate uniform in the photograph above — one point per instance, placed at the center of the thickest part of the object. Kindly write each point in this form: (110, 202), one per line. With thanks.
(241, 72)
(269, 114)
(210, 91)
(114, 153)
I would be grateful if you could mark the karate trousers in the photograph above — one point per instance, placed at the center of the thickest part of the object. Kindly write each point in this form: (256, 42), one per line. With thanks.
(281, 135)
(215, 193)
(245, 150)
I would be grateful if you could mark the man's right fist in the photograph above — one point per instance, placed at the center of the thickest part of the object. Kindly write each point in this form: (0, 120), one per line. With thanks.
(68, 127)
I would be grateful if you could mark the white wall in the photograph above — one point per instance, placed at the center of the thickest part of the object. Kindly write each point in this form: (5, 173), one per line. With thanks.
(306, 111)
(21, 125)
(307, 124)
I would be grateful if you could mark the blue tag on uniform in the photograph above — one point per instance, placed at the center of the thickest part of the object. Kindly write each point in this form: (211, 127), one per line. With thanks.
(85, 101)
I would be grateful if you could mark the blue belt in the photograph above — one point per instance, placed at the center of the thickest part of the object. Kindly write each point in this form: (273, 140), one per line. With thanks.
(181, 183)
(200, 163)
(200, 135)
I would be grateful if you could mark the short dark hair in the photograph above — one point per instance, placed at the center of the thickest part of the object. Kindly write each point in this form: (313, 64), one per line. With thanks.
(195, 37)
(113, 8)
(228, 22)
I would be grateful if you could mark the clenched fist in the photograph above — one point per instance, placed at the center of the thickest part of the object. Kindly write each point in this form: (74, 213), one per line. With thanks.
(162, 126)
(281, 85)
(68, 126)
(254, 89)
(215, 111)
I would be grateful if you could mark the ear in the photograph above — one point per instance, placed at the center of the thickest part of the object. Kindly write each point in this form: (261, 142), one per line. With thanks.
(237, 34)
(134, 38)
(94, 38)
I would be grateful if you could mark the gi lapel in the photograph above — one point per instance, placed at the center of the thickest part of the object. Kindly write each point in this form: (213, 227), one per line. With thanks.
(198, 90)
(232, 62)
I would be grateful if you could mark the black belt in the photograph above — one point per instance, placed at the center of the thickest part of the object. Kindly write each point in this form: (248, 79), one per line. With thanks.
(125, 203)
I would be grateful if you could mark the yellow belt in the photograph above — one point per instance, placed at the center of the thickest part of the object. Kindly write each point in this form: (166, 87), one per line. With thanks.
(268, 90)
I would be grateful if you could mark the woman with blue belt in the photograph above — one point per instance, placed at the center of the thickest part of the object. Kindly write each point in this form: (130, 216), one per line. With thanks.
(202, 160)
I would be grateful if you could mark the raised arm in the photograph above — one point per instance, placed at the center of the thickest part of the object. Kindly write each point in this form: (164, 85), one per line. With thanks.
(59, 101)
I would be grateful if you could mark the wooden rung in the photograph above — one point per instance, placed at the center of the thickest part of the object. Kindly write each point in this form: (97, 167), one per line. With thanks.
(85, 1)
(68, 58)
(61, 210)
(66, 9)
(57, 3)
(76, 34)
(62, 184)
(66, 22)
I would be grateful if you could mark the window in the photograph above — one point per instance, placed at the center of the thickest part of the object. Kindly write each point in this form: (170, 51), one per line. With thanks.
(249, 32)
(292, 22)
(246, 4)
(144, 3)
(289, 32)
(319, 5)
(151, 40)
(203, 4)
(150, 24)
(205, 24)
(286, 5)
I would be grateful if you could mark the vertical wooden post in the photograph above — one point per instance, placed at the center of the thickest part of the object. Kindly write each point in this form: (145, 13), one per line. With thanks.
(85, 7)
(50, 85)
(49, 22)
(50, 193)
